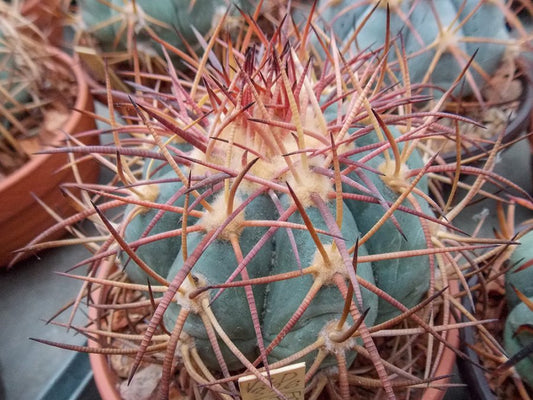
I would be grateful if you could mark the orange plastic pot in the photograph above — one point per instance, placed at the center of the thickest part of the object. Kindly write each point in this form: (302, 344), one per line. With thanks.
(21, 216)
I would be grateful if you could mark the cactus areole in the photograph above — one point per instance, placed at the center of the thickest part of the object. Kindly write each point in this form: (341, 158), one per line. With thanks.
(284, 230)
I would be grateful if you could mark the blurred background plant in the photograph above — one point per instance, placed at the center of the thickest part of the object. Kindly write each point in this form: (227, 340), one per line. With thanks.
(49, 16)
(130, 34)
(444, 44)
(23, 58)
(438, 39)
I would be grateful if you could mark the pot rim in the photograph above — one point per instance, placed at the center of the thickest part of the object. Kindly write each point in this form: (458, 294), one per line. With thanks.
(40, 177)
(82, 93)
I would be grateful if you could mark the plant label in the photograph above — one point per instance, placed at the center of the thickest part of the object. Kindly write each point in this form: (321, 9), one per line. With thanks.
(289, 380)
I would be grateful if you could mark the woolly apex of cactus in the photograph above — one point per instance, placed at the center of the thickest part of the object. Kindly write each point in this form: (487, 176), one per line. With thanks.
(240, 142)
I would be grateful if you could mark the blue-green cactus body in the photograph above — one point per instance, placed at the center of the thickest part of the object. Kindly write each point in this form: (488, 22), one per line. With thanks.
(156, 168)
(20, 73)
(419, 25)
(215, 265)
(489, 52)
(522, 280)
(159, 254)
(405, 279)
(98, 16)
(284, 297)
(515, 339)
(172, 20)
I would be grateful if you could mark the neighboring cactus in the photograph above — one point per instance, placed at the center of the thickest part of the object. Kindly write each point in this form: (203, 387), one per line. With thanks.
(519, 323)
(503, 345)
(287, 232)
(439, 37)
(115, 24)
(520, 276)
(518, 338)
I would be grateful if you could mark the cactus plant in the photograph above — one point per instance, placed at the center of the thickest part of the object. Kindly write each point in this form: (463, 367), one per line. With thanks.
(131, 25)
(520, 275)
(518, 290)
(22, 65)
(38, 89)
(274, 211)
(518, 338)
(438, 37)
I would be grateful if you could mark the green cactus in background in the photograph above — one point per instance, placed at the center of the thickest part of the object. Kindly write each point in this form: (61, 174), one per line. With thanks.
(519, 323)
(266, 229)
(438, 37)
(115, 23)
(518, 338)
(520, 276)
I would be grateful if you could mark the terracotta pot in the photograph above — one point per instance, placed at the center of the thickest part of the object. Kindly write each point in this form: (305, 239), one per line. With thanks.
(107, 381)
(21, 217)
(518, 125)
(48, 16)
(105, 378)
